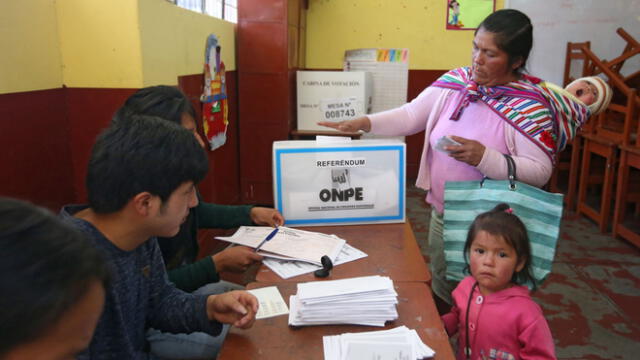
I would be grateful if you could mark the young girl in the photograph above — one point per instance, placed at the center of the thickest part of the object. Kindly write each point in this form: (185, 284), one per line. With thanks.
(492, 311)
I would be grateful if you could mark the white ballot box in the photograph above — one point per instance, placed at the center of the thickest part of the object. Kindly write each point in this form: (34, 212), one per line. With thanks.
(355, 182)
(331, 96)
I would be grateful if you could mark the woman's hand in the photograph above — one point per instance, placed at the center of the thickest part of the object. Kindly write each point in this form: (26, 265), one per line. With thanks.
(362, 123)
(470, 152)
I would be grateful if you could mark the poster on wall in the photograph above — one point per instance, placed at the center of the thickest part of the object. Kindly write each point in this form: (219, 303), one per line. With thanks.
(215, 108)
(354, 182)
(468, 14)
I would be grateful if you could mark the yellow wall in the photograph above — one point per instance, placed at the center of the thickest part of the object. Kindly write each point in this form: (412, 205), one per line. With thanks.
(100, 43)
(45, 44)
(29, 51)
(335, 26)
(173, 41)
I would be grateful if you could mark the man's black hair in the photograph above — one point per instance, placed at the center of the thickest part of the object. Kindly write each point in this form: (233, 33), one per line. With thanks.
(46, 267)
(141, 154)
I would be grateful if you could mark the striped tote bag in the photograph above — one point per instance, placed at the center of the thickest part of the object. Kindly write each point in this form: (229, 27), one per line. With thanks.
(540, 211)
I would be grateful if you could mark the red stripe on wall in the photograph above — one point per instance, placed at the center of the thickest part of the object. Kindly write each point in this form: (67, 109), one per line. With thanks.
(35, 160)
(89, 110)
(47, 138)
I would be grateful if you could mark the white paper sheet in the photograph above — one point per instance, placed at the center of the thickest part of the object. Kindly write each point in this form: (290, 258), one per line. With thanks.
(271, 302)
(320, 139)
(397, 343)
(288, 269)
(336, 288)
(380, 351)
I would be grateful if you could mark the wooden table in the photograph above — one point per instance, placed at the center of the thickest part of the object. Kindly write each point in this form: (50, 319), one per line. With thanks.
(273, 338)
(391, 248)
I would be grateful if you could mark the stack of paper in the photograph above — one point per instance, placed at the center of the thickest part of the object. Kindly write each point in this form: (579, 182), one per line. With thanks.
(289, 243)
(398, 343)
(369, 300)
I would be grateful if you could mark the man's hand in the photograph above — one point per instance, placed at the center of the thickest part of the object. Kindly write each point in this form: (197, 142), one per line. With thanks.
(362, 123)
(237, 308)
(266, 216)
(469, 152)
(235, 259)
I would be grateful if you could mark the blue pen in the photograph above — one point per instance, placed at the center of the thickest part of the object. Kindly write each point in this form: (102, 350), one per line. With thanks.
(269, 237)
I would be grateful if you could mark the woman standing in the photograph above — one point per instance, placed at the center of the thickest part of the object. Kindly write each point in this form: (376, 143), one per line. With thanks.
(490, 109)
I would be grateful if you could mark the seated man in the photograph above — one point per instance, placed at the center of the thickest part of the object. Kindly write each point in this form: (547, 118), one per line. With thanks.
(141, 184)
(53, 283)
(180, 251)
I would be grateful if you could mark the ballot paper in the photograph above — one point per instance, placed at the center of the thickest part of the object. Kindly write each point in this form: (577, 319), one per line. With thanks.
(368, 300)
(320, 139)
(400, 343)
(288, 269)
(271, 302)
(288, 243)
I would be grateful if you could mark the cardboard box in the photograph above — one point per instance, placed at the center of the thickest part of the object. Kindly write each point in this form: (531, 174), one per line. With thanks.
(331, 96)
(355, 182)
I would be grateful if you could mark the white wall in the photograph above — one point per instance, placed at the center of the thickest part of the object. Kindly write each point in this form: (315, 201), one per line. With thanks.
(556, 22)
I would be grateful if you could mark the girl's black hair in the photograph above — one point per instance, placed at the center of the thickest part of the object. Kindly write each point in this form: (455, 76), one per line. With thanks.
(47, 267)
(513, 34)
(503, 223)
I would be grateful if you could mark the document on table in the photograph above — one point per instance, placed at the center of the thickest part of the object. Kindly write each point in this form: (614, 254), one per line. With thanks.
(400, 343)
(271, 302)
(368, 300)
(288, 269)
(288, 243)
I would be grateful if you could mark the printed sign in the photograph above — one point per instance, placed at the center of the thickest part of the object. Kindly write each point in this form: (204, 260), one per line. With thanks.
(331, 96)
(340, 109)
(359, 182)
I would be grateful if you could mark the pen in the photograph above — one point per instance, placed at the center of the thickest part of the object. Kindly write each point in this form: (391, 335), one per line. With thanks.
(269, 237)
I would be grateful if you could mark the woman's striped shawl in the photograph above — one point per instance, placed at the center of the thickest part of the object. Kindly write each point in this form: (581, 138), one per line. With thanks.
(545, 115)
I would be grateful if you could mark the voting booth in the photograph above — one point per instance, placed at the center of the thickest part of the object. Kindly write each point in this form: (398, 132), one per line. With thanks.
(355, 182)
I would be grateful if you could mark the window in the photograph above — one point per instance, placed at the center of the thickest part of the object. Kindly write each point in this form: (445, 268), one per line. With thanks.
(222, 9)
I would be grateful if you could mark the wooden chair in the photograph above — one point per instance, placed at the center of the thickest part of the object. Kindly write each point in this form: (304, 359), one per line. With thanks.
(628, 187)
(604, 141)
(625, 226)
(574, 53)
(631, 49)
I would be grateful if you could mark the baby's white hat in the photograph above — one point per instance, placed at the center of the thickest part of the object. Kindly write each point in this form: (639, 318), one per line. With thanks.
(604, 93)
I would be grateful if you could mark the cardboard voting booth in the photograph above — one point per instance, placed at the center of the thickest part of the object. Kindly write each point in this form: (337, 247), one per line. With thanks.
(331, 96)
(355, 182)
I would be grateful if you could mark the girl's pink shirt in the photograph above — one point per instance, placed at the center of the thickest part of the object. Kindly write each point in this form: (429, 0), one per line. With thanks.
(503, 324)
